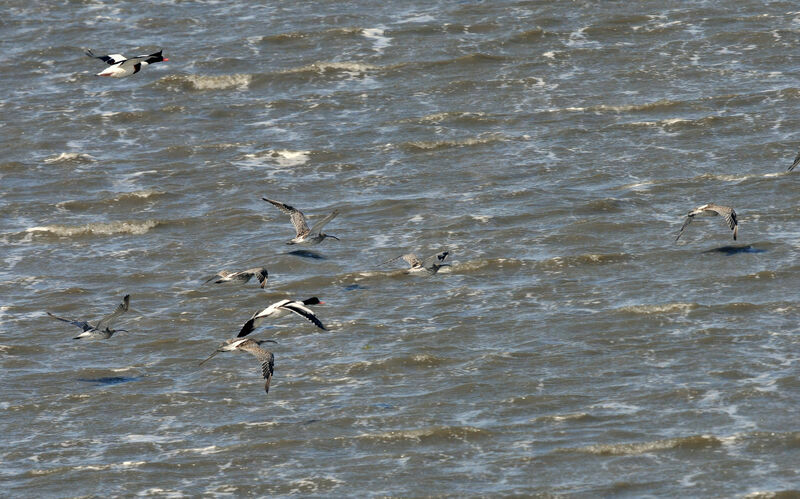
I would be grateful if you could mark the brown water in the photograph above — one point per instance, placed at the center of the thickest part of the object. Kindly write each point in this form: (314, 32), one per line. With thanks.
(572, 348)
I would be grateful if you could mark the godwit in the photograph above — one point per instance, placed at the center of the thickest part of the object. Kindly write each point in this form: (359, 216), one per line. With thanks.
(102, 329)
(713, 210)
(122, 66)
(244, 276)
(252, 347)
(304, 235)
(281, 308)
(432, 264)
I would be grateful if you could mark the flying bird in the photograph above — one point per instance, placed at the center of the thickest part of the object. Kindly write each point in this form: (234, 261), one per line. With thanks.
(102, 330)
(281, 308)
(244, 276)
(304, 235)
(120, 66)
(432, 264)
(251, 346)
(713, 210)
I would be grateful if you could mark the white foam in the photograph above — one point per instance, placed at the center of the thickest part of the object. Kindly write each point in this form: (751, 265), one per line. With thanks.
(221, 82)
(153, 491)
(290, 158)
(75, 157)
(100, 228)
(417, 18)
(380, 41)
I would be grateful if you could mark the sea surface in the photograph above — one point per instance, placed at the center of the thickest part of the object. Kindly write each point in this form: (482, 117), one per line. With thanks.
(573, 348)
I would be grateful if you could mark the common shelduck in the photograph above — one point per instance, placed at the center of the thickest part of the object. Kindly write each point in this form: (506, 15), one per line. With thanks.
(281, 308)
(122, 66)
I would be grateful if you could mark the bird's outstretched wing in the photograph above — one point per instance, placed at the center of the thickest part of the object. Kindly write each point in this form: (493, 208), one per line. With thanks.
(319, 225)
(248, 327)
(304, 312)
(81, 324)
(218, 278)
(266, 358)
(110, 59)
(297, 217)
(685, 224)
(267, 368)
(121, 309)
(730, 218)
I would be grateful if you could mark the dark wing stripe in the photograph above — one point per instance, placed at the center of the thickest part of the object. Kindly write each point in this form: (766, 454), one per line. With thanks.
(81, 324)
(267, 368)
(281, 206)
(297, 217)
(687, 222)
(247, 328)
(304, 313)
(795, 163)
(107, 59)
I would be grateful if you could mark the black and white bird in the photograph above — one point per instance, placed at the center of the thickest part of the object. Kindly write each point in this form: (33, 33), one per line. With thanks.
(253, 347)
(795, 162)
(243, 276)
(281, 308)
(121, 66)
(304, 235)
(432, 264)
(102, 330)
(713, 210)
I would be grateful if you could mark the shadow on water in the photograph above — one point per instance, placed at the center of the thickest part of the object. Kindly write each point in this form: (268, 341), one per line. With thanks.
(732, 250)
(354, 287)
(307, 254)
(110, 380)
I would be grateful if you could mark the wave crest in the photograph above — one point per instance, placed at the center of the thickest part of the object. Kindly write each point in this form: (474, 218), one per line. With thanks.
(692, 443)
(70, 157)
(190, 83)
(103, 229)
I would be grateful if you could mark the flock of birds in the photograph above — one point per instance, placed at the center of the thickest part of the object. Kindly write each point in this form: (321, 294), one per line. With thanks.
(120, 66)
(102, 330)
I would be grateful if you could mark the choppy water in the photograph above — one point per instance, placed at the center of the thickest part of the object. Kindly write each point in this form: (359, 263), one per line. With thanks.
(573, 348)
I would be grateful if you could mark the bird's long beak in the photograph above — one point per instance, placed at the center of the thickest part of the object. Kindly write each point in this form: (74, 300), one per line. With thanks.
(209, 357)
(334, 237)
